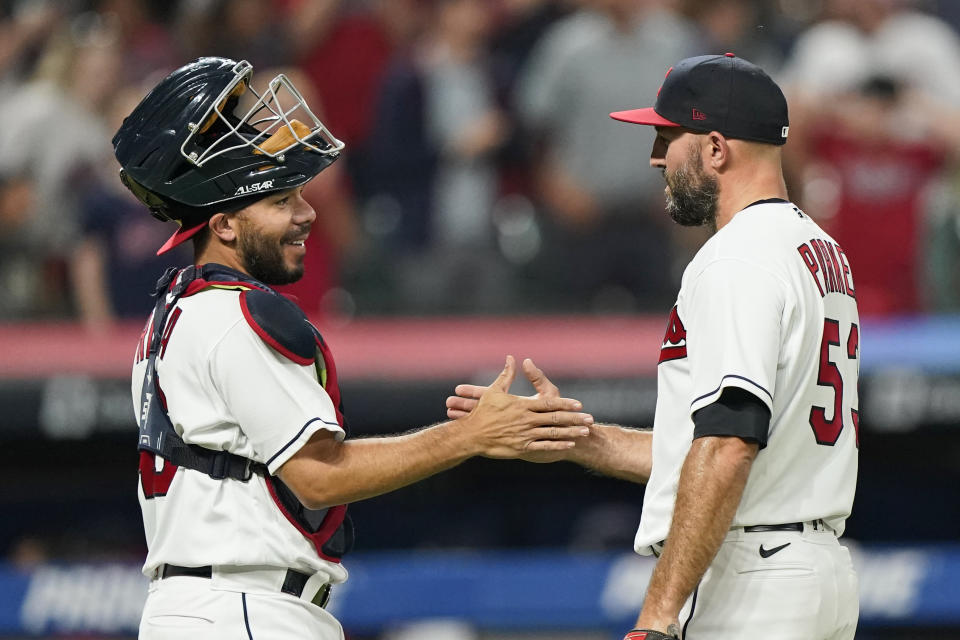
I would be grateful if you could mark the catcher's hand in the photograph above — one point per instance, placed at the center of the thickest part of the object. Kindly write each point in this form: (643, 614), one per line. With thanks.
(649, 634)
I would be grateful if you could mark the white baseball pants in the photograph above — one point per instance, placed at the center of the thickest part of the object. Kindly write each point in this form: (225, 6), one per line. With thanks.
(804, 590)
(187, 607)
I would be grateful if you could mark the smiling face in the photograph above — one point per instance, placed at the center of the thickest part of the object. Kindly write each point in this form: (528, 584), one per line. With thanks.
(271, 235)
(692, 194)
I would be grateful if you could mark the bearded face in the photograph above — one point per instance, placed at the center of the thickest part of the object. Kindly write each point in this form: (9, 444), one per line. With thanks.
(692, 194)
(267, 256)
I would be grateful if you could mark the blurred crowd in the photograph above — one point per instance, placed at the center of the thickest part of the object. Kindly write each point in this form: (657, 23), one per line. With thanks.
(481, 173)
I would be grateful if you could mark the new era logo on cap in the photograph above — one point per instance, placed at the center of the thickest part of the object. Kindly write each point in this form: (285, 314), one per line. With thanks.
(718, 93)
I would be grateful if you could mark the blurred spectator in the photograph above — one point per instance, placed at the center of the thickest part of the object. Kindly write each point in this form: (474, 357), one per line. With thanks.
(607, 241)
(464, 123)
(145, 40)
(475, 144)
(867, 181)
(24, 28)
(520, 26)
(252, 30)
(859, 39)
(433, 172)
(467, 128)
(54, 134)
(357, 56)
(400, 160)
(738, 26)
(345, 48)
(58, 128)
(875, 93)
(24, 284)
(114, 265)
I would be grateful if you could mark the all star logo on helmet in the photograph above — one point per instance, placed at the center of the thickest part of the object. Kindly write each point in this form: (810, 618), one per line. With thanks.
(253, 188)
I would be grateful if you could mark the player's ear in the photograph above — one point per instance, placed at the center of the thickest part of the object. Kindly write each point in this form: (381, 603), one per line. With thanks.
(223, 226)
(717, 150)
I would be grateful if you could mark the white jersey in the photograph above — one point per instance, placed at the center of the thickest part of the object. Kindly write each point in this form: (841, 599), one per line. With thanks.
(226, 389)
(766, 305)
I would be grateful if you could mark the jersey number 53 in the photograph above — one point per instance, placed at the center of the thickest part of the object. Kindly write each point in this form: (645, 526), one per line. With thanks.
(827, 431)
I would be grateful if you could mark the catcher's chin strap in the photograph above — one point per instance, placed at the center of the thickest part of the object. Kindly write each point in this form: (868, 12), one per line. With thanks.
(649, 634)
(157, 434)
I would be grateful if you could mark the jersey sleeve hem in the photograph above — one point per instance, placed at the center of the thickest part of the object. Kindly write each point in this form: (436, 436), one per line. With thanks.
(733, 380)
(312, 426)
(736, 413)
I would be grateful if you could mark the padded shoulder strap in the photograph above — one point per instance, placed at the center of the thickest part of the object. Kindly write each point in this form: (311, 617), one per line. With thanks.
(281, 324)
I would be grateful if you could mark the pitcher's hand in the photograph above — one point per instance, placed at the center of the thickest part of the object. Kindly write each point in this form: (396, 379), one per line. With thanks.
(468, 395)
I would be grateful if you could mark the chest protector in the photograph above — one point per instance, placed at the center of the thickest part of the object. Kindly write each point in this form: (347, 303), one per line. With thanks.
(282, 325)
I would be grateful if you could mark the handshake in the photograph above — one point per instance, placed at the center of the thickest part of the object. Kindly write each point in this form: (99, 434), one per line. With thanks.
(540, 428)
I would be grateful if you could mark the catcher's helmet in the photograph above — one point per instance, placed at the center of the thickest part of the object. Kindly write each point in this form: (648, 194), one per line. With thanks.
(189, 150)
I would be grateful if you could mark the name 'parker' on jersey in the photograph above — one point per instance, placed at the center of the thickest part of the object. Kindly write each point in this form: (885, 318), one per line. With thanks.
(828, 265)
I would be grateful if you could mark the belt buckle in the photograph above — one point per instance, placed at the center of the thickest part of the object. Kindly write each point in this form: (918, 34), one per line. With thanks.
(323, 596)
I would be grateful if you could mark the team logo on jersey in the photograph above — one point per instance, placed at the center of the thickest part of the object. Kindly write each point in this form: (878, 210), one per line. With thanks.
(252, 188)
(674, 344)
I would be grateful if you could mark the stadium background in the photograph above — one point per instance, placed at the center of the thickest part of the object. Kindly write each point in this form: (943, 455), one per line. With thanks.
(484, 207)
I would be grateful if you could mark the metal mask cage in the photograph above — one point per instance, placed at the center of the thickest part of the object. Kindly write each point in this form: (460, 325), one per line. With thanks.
(269, 118)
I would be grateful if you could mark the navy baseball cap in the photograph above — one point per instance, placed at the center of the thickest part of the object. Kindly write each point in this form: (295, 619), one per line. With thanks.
(718, 93)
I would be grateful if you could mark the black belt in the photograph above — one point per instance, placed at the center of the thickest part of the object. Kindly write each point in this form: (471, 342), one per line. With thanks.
(790, 526)
(657, 547)
(293, 582)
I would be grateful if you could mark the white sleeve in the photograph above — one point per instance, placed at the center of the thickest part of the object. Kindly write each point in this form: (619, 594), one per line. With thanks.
(733, 317)
(278, 403)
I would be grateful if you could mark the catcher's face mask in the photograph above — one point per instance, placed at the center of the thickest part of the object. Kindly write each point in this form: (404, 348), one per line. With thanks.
(204, 141)
(270, 123)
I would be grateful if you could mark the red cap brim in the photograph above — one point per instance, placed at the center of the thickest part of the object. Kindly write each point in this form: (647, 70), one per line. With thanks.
(181, 236)
(643, 116)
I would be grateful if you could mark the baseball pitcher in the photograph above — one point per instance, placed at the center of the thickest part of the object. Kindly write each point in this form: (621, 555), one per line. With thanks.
(751, 465)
